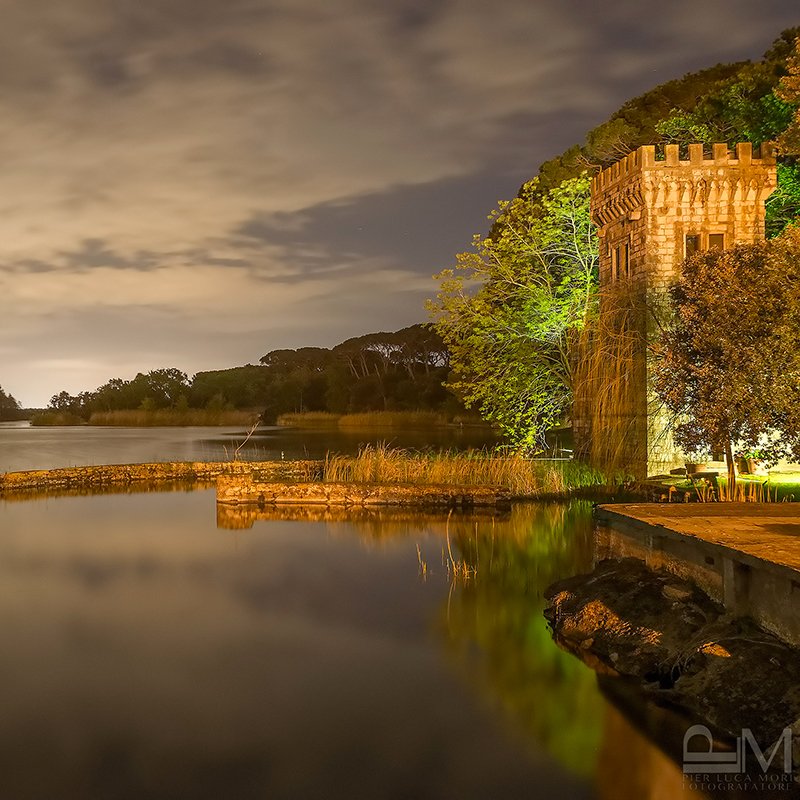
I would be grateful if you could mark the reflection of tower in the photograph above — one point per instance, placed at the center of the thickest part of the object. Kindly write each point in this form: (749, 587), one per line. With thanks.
(652, 213)
(631, 764)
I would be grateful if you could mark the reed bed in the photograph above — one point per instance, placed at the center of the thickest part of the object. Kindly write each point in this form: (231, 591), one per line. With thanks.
(55, 418)
(393, 419)
(169, 417)
(610, 374)
(521, 476)
(367, 420)
(309, 419)
(743, 492)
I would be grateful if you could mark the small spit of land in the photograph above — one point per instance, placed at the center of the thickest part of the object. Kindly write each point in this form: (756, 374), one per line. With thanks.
(374, 470)
(72, 479)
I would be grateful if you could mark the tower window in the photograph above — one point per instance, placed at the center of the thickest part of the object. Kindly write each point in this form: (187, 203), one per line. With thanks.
(692, 243)
(716, 241)
(620, 262)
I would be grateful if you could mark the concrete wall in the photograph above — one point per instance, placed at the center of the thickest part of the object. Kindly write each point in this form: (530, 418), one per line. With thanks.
(745, 585)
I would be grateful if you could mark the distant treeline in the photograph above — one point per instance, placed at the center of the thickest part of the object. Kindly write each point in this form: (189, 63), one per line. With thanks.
(404, 370)
(9, 408)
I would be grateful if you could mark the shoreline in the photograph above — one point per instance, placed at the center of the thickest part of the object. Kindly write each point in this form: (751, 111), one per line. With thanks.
(240, 478)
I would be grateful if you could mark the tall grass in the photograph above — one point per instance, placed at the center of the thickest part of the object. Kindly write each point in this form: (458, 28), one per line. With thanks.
(309, 419)
(367, 420)
(744, 491)
(611, 383)
(521, 476)
(393, 419)
(169, 417)
(45, 418)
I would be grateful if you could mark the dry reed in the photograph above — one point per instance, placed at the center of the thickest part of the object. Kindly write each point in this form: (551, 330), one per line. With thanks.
(309, 419)
(393, 419)
(521, 476)
(169, 417)
(366, 419)
(610, 369)
(743, 492)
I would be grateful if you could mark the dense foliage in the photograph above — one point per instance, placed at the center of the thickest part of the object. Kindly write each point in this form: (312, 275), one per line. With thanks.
(509, 339)
(9, 407)
(509, 311)
(730, 365)
(788, 91)
(404, 370)
(744, 101)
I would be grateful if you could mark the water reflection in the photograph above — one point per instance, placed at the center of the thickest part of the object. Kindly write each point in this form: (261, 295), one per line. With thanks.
(630, 763)
(139, 487)
(370, 522)
(149, 654)
(550, 695)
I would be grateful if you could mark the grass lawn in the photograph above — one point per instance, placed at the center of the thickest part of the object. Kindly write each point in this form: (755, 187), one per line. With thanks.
(775, 487)
(781, 485)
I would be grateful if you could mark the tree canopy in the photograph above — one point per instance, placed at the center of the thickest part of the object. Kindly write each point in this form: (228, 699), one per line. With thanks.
(729, 367)
(788, 90)
(508, 310)
(9, 407)
(400, 370)
(740, 102)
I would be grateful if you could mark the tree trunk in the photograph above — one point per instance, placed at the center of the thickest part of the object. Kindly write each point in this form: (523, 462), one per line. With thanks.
(731, 469)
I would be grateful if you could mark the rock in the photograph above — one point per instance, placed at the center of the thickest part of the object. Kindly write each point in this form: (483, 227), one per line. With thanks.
(682, 647)
(673, 591)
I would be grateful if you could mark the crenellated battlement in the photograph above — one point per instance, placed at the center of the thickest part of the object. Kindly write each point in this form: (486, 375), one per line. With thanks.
(648, 157)
(659, 181)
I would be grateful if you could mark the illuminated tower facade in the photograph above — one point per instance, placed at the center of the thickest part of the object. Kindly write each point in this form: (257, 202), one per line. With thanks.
(651, 213)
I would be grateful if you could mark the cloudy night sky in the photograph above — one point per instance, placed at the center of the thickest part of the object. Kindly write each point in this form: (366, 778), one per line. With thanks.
(191, 183)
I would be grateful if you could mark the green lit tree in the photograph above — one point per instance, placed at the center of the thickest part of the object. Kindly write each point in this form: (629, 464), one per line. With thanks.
(729, 366)
(510, 310)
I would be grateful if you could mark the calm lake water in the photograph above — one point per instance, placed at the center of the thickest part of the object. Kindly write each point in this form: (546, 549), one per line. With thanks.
(148, 653)
(23, 447)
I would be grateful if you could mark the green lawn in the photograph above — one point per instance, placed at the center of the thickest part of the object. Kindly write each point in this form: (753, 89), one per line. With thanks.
(775, 487)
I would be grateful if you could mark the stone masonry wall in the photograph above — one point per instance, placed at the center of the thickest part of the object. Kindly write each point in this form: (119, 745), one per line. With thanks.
(645, 208)
(74, 478)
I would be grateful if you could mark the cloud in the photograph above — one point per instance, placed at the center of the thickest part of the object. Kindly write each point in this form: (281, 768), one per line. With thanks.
(286, 158)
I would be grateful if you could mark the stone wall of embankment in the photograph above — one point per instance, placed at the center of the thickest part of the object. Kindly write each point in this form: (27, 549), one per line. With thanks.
(121, 475)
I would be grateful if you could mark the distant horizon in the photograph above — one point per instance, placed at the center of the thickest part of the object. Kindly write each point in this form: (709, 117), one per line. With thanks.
(189, 185)
(191, 374)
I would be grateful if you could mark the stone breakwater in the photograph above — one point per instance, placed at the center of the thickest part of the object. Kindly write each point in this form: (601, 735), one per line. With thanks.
(245, 489)
(70, 479)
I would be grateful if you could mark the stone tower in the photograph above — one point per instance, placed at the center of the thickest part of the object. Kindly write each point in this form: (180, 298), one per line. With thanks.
(651, 213)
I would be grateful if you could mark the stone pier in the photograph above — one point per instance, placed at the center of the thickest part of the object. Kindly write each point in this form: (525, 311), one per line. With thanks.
(745, 556)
